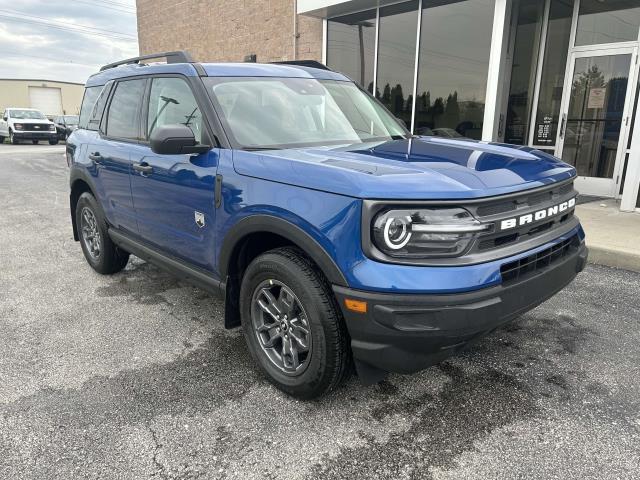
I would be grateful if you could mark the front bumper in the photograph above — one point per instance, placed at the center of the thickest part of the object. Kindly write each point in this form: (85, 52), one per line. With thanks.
(405, 333)
(48, 135)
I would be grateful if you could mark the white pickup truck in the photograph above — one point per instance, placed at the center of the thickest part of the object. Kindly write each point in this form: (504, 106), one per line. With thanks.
(27, 124)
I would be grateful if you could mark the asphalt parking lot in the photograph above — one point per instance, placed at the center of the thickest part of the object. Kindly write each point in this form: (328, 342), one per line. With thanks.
(134, 376)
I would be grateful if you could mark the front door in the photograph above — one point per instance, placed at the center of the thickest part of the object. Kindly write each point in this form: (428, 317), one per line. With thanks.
(173, 195)
(596, 110)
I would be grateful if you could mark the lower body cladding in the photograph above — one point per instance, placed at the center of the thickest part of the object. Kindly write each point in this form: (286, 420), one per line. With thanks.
(405, 333)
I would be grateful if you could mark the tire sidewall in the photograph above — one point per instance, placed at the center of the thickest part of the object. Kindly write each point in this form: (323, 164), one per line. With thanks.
(275, 267)
(86, 200)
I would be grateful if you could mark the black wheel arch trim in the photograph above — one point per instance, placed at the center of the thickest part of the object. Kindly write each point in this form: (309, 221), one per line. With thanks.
(268, 223)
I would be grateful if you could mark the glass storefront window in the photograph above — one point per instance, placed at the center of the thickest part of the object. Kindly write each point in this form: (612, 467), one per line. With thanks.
(396, 58)
(455, 43)
(351, 46)
(594, 119)
(523, 70)
(553, 70)
(608, 22)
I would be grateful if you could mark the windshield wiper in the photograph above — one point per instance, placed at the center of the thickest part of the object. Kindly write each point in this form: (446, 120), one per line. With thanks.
(256, 149)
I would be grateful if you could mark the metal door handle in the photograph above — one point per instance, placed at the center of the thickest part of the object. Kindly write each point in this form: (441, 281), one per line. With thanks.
(96, 157)
(562, 125)
(142, 168)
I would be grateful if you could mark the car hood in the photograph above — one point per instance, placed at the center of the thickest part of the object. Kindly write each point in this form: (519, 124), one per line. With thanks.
(412, 169)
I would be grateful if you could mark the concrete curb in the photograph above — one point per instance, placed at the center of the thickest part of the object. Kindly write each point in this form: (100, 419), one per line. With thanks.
(613, 237)
(613, 258)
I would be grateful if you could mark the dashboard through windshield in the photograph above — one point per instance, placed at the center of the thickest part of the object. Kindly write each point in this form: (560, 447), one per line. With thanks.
(267, 112)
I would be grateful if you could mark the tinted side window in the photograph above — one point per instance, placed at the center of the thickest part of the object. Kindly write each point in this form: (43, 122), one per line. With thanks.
(123, 119)
(88, 101)
(98, 109)
(172, 102)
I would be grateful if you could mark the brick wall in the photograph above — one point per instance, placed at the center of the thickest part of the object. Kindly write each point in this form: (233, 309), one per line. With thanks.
(227, 30)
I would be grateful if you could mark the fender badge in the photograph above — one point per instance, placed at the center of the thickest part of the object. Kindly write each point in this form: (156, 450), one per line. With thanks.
(199, 219)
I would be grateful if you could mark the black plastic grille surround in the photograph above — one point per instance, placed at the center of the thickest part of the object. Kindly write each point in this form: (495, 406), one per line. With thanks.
(30, 127)
(519, 269)
(497, 210)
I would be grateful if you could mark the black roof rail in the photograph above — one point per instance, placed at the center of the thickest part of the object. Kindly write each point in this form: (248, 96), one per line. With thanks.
(304, 63)
(180, 56)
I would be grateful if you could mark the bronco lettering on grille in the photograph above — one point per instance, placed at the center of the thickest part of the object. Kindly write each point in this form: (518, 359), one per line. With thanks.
(537, 215)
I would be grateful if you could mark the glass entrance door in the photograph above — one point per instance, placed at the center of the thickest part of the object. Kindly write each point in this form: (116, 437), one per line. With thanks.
(595, 116)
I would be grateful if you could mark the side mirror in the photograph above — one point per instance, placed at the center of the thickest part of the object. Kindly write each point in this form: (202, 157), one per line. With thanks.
(175, 140)
(4, 118)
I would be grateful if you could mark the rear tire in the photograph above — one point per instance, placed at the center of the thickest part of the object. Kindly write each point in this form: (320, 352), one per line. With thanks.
(277, 340)
(35, 142)
(101, 253)
(53, 142)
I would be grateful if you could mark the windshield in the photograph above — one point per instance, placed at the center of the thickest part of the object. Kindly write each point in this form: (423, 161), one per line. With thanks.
(260, 113)
(71, 119)
(27, 114)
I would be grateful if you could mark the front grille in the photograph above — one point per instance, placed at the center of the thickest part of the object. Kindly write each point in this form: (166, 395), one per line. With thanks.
(508, 238)
(526, 266)
(494, 211)
(36, 127)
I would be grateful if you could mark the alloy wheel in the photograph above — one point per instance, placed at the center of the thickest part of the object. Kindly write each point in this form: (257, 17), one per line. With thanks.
(90, 232)
(281, 326)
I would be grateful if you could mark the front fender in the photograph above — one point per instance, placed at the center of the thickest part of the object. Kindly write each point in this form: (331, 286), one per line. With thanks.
(260, 222)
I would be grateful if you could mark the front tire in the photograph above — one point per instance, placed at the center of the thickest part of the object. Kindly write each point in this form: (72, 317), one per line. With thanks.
(101, 253)
(53, 142)
(12, 139)
(35, 142)
(292, 325)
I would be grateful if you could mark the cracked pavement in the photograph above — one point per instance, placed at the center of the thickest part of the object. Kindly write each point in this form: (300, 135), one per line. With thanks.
(133, 376)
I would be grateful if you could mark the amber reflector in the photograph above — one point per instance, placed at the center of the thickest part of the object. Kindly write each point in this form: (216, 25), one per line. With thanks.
(356, 305)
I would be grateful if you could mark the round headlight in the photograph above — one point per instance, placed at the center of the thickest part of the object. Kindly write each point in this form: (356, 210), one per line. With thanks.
(397, 232)
(425, 232)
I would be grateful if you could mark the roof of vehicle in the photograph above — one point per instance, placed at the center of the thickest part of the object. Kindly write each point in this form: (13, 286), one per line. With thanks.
(214, 70)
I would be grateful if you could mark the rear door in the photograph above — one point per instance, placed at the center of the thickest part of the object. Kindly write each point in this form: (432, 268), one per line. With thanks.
(120, 133)
(173, 195)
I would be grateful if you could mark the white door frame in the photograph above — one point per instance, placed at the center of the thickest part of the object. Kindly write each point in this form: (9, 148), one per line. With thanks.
(607, 187)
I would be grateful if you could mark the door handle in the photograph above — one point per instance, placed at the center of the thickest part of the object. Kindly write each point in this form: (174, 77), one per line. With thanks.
(563, 125)
(143, 168)
(96, 157)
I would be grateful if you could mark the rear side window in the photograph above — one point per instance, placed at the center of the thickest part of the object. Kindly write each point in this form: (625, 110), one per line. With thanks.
(88, 101)
(98, 108)
(123, 119)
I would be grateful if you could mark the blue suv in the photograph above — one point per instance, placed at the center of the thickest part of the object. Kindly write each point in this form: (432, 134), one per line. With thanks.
(336, 237)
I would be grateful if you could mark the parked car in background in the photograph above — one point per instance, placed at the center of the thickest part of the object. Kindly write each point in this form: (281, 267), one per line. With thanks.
(27, 124)
(65, 124)
(446, 133)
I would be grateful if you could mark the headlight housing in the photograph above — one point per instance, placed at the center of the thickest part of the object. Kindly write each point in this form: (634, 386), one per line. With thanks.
(52, 128)
(18, 126)
(425, 232)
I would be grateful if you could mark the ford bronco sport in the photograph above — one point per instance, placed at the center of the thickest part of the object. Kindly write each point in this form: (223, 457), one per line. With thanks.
(336, 237)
